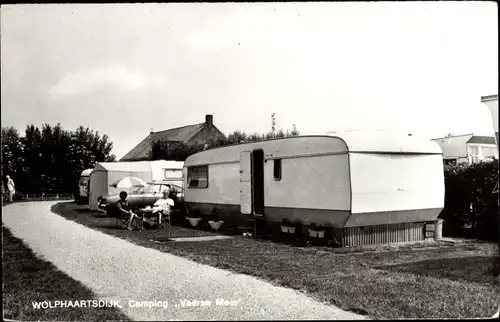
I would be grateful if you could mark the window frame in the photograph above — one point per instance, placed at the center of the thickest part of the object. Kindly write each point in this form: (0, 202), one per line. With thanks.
(188, 177)
(165, 177)
(277, 163)
(474, 150)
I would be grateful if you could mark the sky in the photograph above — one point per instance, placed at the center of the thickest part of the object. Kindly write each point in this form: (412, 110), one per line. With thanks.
(124, 69)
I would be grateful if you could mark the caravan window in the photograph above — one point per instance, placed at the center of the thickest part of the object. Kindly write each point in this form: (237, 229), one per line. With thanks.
(197, 177)
(172, 174)
(277, 169)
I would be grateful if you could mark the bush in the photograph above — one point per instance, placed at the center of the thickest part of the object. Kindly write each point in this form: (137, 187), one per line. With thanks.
(469, 201)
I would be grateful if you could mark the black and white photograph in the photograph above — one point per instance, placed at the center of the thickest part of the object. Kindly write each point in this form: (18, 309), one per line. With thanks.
(223, 161)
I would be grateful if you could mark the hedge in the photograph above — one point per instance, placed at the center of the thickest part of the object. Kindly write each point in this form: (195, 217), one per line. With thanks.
(471, 207)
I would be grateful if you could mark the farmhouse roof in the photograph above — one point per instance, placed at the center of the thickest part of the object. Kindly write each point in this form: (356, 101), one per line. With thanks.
(482, 139)
(138, 166)
(178, 134)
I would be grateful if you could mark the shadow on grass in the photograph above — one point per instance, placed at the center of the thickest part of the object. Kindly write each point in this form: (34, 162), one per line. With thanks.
(476, 269)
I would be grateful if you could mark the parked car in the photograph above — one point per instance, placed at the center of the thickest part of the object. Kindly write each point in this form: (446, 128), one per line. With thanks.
(144, 197)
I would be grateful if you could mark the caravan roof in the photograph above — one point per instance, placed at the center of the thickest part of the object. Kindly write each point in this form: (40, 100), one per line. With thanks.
(386, 142)
(124, 166)
(138, 166)
(360, 142)
(167, 164)
(86, 172)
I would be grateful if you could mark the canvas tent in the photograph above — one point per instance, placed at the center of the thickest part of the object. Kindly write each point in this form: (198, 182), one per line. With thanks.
(105, 173)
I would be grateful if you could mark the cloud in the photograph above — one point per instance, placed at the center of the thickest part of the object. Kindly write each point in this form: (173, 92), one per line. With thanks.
(110, 77)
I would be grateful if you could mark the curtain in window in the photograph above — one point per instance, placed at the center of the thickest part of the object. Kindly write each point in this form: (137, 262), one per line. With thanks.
(198, 177)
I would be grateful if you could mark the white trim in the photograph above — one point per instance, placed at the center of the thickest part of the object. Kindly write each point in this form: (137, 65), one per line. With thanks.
(493, 145)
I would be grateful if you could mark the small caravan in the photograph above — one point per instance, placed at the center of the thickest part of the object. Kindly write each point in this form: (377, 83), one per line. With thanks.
(106, 173)
(83, 186)
(373, 187)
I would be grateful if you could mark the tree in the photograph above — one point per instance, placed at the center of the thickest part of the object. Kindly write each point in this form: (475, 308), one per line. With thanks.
(31, 180)
(12, 153)
(173, 150)
(50, 159)
(85, 149)
(236, 137)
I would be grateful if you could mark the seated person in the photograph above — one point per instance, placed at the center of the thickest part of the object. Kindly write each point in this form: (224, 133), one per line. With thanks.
(124, 208)
(162, 205)
(173, 194)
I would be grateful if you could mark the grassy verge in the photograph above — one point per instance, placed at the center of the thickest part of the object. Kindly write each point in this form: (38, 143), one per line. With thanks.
(27, 279)
(433, 280)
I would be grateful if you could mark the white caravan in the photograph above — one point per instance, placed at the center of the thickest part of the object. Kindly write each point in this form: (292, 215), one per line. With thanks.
(351, 180)
(105, 173)
(83, 186)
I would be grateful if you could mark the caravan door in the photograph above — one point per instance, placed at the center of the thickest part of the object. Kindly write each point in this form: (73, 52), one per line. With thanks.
(246, 182)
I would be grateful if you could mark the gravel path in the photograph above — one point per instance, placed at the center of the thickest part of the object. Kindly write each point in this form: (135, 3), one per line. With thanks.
(118, 270)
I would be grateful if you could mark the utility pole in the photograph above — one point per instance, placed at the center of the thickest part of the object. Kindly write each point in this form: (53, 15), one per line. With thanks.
(273, 120)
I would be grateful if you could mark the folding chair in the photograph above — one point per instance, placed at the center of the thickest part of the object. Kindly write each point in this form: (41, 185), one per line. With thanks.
(122, 220)
(166, 219)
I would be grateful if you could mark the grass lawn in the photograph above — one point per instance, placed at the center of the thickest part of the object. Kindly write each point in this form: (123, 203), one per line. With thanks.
(27, 279)
(429, 280)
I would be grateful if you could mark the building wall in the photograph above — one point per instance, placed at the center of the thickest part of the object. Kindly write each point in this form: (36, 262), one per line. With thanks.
(479, 152)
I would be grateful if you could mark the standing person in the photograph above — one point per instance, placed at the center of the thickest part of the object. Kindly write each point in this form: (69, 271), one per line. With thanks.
(124, 208)
(11, 187)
